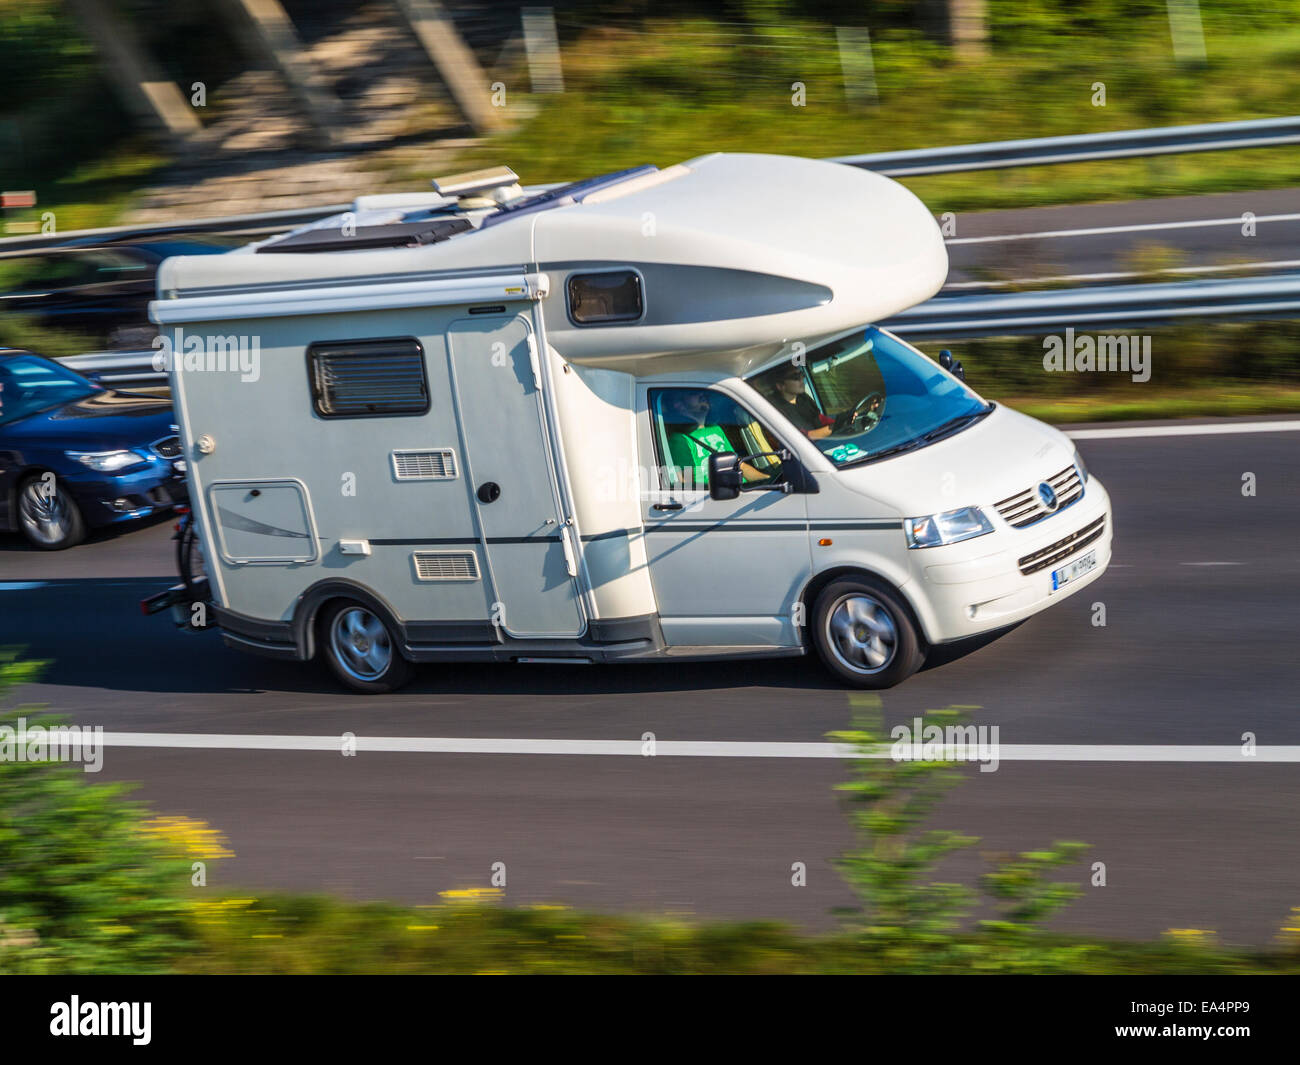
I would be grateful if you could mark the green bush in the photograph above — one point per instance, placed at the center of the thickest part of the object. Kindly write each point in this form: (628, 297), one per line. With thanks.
(84, 888)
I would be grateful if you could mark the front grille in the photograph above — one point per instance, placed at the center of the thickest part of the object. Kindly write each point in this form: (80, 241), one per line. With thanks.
(424, 465)
(1025, 508)
(446, 565)
(1054, 553)
(169, 447)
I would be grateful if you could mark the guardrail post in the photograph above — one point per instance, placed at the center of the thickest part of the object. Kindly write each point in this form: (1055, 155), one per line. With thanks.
(460, 71)
(154, 100)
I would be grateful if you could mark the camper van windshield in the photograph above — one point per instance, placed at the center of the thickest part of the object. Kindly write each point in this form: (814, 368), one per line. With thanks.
(868, 396)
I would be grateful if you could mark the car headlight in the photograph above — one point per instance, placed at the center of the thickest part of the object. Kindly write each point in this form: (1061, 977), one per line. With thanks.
(946, 528)
(108, 461)
(1083, 470)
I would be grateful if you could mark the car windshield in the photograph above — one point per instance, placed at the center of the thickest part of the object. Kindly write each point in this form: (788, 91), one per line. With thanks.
(867, 396)
(29, 384)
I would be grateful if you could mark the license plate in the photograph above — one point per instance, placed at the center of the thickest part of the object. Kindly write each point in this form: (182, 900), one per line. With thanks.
(1074, 570)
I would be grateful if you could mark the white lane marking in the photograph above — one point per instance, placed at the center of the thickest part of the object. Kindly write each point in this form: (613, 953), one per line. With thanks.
(1142, 227)
(1209, 563)
(20, 586)
(1120, 433)
(1015, 752)
(1280, 264)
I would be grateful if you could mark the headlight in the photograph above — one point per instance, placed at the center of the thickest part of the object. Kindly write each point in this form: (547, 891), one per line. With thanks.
(946, 528)
(107, 461)
(1083, 470)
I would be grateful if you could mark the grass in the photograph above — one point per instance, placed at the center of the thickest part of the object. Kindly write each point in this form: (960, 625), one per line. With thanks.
(666, 91)
(1204, 401)
(311, 934)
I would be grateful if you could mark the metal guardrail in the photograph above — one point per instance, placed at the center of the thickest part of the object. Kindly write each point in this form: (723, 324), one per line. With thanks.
(994, 155)
(1156, 303)
(242, 225)
(1082, 148)
(958, 317)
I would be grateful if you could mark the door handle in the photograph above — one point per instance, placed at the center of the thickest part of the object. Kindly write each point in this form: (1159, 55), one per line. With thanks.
(667, 506)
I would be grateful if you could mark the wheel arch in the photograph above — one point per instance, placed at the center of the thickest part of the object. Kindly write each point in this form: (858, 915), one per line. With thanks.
(324, 592)
(813, 588)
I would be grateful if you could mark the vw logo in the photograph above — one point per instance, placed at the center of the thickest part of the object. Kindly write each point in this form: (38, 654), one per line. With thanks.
(1048, 497)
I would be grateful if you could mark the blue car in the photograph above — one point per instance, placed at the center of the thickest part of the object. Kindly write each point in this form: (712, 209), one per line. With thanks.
(75, 455)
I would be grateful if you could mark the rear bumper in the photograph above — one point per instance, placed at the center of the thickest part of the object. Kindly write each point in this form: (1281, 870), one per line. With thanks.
(983, 591)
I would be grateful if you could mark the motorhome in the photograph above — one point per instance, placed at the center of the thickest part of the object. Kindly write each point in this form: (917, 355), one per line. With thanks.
(644, 416)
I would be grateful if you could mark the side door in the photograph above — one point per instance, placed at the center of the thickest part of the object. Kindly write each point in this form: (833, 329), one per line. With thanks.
(725, 572)
(531, 554)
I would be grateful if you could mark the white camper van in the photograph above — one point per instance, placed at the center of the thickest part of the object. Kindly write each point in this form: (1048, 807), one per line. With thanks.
(644, 416)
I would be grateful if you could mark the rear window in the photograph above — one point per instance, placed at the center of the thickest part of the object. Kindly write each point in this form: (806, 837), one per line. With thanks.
(609, 296)
(368, 378)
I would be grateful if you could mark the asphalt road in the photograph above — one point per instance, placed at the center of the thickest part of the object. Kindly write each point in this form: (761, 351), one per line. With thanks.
(1200, 646)
(1096, 242)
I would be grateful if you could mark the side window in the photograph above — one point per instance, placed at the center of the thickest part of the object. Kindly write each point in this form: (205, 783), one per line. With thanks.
(605, 298)
(690, 424)
(368, 378)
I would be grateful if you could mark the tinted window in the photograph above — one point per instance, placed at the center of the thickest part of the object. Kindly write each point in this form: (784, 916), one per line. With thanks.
(29, 384)
(368, 378)
(612, 296)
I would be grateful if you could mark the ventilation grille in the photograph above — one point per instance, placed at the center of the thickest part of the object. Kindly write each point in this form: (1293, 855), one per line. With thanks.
(1063, 549)
(438, 465)
(446, 565)
(1026, 508)
(361, 378)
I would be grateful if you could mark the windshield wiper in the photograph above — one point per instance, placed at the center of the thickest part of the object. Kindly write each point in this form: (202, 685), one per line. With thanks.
(954, 425)
(948, 428)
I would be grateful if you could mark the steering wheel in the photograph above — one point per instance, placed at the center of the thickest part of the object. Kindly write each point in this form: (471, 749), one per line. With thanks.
(865, 415)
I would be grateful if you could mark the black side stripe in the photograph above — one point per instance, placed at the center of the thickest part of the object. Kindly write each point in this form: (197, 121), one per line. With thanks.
(746, 526)
(470, 540)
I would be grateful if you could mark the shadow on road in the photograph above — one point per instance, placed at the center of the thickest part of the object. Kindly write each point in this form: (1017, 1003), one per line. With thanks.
(94, 636)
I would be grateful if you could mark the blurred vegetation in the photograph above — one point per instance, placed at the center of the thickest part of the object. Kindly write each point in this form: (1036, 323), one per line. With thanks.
(85, 884)
(93, 883)
(665, 81)
(666, 88)
(1203, 369)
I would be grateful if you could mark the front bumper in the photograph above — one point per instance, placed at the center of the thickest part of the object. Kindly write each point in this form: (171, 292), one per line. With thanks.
(966, 589)
(105, 498)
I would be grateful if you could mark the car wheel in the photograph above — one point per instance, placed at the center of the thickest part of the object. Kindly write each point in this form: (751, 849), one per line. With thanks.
(361, 649)
(48, 515)
(864, 634)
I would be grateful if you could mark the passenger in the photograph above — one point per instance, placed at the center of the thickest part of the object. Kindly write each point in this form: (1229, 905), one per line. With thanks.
(691, 441)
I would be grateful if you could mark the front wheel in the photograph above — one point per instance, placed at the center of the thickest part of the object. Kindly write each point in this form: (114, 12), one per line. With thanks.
(864, 634)
(48, 515)
(361, 649)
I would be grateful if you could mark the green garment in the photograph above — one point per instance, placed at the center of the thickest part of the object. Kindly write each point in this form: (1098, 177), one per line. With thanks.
(690, 452)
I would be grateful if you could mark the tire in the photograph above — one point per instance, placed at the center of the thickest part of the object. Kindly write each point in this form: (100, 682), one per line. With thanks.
(361, 649)
(49, 521)
(865, 634)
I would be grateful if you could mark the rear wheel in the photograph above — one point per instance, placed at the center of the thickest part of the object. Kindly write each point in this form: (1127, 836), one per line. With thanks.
(48, 515)
(864, 634)
(361, 649)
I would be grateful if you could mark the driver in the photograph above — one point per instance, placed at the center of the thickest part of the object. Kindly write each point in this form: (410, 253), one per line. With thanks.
(793, 401)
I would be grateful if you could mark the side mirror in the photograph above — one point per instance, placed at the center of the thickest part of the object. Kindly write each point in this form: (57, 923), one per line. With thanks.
(953, 366)
(725, 477)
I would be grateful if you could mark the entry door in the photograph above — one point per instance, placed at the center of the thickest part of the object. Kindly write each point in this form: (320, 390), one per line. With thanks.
(511, 479)
(725, 572)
